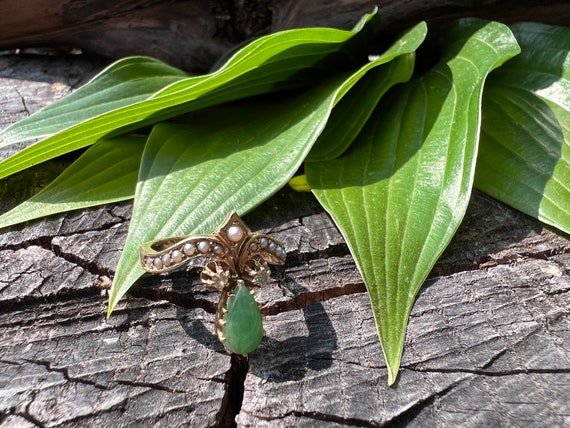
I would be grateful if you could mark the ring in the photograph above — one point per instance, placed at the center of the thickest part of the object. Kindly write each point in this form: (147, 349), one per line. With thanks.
(236, 261)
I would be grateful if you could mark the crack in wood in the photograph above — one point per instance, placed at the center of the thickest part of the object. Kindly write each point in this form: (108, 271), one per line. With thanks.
(163, 294)
(64, 371)
(150, 385)
(318, 416)
(22, 414)
(408, 415)
(233, 396)
(483, 372)
(488, 262)
(305, 299)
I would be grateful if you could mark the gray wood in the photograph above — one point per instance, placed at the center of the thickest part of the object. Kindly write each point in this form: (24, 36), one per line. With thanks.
(488, 342)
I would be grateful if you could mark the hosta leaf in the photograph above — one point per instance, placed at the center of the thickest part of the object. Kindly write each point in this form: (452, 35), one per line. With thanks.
(287, 59)
(107, 172)
(524, 158)
(400, 191)
(223, 159)
(228, 158)
(125, 82)
(352, 112)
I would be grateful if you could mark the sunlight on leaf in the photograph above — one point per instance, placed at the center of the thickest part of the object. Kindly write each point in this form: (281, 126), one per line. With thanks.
(222, 159)
(400, 191)
(282, 60)
(125, 82)
(350, 115)
(524, 158)
(105, 173)
(221, 175)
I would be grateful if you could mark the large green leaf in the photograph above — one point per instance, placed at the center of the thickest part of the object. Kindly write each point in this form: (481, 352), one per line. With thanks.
(524, 158)
(400, 191)
(223, 159)
(125, 82)
(107, 172)
(283, 60)
(352, 112)
(229, 158)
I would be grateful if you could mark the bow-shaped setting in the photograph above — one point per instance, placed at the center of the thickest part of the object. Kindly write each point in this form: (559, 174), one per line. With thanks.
(236, 260)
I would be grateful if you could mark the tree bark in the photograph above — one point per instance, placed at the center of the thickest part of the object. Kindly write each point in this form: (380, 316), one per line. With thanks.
(488, 342)
(192, 34)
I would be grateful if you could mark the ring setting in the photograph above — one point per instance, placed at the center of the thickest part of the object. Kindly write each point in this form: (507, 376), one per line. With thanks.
(237, 261)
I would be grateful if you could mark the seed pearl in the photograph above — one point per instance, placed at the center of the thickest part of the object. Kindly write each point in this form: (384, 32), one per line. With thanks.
(149, 263)
(235, 233)
(177, 256)
(189, 249)
(166, 260)
(158, 263)
(218, 249)
(263, 242)
(203, 247)
(253, 246)
(271, 246)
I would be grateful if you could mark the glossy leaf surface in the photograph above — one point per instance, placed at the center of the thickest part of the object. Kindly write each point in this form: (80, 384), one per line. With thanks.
(283, 60)
(400, 191)
(107, 172)
(125, 82)
(396, 65)
(524, 159)
(229, 158)
(222, 159)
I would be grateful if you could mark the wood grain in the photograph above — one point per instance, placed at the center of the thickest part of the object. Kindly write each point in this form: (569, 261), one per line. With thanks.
(488, 342)
(192, 34)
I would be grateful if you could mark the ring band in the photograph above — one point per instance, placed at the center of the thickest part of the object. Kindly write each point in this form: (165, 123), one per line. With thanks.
(236, 261)
(232, 243)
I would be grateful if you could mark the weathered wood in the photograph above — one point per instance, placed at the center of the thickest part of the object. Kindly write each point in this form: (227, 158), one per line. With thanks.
(488, 342)
(192, 34)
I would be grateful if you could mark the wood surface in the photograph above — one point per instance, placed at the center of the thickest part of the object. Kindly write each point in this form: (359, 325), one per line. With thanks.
(192, 34)
(488, 342)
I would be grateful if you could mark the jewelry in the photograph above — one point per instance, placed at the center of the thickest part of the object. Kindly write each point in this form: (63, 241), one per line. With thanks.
(236, 261)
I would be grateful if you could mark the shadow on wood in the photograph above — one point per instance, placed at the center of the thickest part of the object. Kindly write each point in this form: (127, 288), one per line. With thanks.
(488, 342)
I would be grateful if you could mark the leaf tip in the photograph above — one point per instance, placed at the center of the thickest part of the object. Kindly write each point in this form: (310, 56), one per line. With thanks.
(299, 183)
(392, 374)
(110, 306)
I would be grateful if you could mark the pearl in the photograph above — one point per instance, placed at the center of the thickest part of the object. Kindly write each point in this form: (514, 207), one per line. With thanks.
(177, 256)
(218, 249)
(235, 233)
(158, 263)
(203, 247)
(272, 246)
(253, 246)
(149, 263)
(189, 249)
(263, 242)
(166, 259)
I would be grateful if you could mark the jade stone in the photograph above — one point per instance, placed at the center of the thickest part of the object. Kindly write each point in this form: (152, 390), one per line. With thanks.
(243, 329)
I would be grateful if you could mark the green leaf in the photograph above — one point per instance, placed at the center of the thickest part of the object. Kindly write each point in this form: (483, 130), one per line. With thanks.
(396, 65)
(224, 158)
(229, 158)
(524, 157)
(125, 82)
(400, 191)
(107, 172)
(283, 60)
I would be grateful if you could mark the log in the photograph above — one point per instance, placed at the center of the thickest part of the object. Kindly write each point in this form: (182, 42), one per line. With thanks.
(488, 342)
(192, 34)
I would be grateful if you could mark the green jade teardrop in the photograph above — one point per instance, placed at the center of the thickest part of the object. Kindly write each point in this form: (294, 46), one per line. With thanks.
(243, 328)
